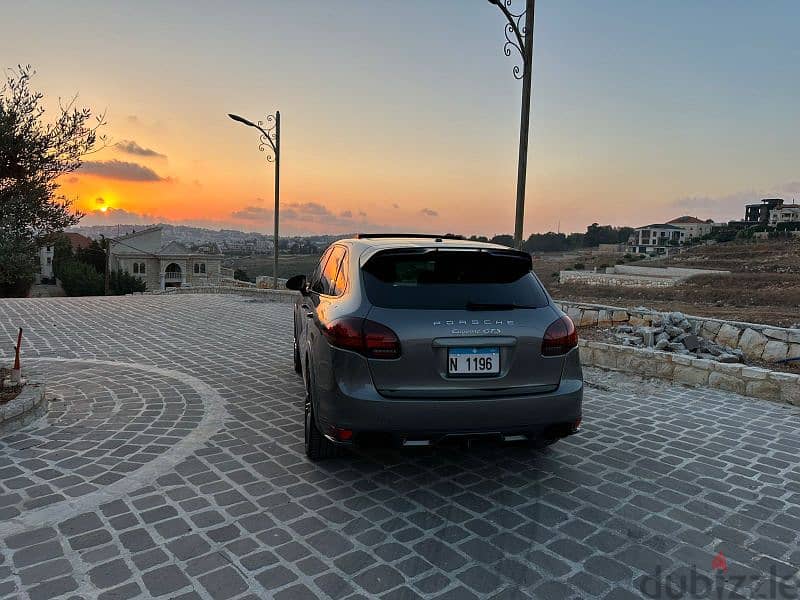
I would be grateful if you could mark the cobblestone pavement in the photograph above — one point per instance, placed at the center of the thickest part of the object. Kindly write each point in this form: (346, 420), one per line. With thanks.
(171, 465)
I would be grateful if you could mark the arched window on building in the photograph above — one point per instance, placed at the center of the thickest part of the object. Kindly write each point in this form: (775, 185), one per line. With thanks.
(141, 268)
(202, 267)
(135, 268)
(196, 267)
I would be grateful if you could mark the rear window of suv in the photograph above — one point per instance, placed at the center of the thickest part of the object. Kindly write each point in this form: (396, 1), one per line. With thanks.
(452, 279)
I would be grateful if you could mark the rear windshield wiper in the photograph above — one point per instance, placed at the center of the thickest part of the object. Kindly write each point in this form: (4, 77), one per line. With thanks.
(496, 306)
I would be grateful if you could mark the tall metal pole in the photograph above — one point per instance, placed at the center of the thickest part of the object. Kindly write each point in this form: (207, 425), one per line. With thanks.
(524, 123)
(108, 260)
(520, 37)
(277, 195)
(270, 144)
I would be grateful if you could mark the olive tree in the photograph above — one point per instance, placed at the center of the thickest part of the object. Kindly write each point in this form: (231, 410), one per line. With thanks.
(34, 153)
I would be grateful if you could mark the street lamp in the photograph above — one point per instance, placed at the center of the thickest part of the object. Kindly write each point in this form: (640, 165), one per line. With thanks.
(520, 37)
(270, 144)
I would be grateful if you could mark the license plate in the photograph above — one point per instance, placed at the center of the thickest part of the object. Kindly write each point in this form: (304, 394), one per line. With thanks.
(473, 361)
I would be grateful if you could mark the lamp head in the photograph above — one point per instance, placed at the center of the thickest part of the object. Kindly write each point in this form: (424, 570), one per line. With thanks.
(241, 120)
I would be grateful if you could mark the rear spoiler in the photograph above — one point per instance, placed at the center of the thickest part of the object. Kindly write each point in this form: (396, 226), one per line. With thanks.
(422, 236)
(508, 252)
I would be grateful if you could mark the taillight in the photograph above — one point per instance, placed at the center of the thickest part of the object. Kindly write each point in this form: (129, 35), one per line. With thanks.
(560, 337)
(363, 336)
(380, 341)
(345, 333)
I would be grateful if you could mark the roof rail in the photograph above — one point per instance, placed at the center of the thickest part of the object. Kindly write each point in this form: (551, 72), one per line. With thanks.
(362, 236)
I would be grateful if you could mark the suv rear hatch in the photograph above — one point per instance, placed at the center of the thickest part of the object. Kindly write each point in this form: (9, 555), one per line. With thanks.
(447, 305)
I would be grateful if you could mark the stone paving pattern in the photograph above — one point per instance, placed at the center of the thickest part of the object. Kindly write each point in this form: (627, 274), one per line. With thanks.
(137, 485)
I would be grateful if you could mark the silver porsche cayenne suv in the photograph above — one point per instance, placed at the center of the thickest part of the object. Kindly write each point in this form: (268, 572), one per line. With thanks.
(419, 338)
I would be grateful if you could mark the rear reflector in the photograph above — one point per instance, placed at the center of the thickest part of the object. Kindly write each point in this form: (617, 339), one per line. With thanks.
(341, 435)
(560, 337)
(366, 337)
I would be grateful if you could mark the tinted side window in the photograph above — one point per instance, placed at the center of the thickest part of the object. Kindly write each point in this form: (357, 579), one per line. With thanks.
(331, 270)
(342, 278)
(316, 284)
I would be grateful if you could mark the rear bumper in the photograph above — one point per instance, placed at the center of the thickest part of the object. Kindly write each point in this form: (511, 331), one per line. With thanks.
(362, 409)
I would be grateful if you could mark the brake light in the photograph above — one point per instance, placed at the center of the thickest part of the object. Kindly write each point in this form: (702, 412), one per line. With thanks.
(345, 333)
(380, 341)
(560, 337)
(366, 337)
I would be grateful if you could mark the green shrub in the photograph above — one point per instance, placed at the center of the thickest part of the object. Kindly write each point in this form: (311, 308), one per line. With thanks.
(18, 265)
(80, 279)
(122, 282)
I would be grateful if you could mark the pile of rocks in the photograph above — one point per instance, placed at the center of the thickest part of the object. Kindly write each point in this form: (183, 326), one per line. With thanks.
(672, 332)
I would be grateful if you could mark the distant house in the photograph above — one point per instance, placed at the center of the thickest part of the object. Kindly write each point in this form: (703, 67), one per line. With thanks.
(77, 241)
(45, 263)
(760, 212)
(160, 266)
(693, 227)
(786, 213)
(657, 238)
(46, 254)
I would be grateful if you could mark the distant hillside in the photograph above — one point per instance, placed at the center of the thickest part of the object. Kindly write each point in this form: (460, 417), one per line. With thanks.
(748, 256)
(193, 235)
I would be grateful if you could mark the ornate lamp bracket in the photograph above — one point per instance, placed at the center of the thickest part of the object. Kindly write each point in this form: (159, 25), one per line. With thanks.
(515, 32)
(267, 140)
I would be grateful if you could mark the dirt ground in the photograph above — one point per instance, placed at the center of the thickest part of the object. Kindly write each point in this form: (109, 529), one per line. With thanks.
(764, 286)
(288, 265)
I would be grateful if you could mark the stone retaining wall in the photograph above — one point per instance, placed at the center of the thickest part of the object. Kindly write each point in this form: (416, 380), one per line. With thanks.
(26, 407)
(612, 279)
(268, 295)
(635, 276)
(646, 362)
(756, 341)
(679, 272)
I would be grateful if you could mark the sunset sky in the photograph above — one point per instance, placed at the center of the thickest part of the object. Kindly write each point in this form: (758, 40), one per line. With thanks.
(404, 114)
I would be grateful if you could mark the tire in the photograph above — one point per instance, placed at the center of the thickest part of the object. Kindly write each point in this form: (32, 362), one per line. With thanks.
(318, 447)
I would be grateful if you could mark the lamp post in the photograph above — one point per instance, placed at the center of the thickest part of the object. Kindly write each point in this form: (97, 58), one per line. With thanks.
(520, 37)
(270, 144)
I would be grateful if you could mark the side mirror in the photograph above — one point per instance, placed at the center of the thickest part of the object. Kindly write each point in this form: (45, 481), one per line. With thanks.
(297, 283)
